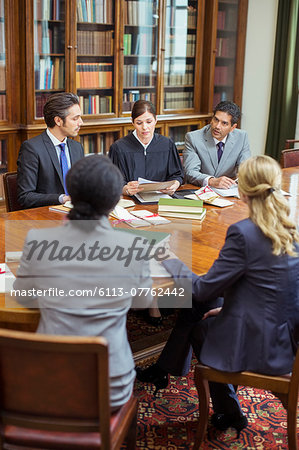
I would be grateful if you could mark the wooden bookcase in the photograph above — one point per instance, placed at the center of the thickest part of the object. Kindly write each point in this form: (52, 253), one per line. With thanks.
(112, 53)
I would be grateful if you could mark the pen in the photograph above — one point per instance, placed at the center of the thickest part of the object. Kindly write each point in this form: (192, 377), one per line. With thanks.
(236, 180)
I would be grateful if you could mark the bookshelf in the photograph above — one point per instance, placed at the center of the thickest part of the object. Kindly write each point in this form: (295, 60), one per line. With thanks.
(95, 56)
(49, 50)
(231, 29)
(181, 35)
(112, 53)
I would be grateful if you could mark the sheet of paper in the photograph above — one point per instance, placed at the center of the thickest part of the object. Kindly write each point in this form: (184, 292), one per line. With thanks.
(150, 197)
(7, 278)
(231, 192)
(152, 186)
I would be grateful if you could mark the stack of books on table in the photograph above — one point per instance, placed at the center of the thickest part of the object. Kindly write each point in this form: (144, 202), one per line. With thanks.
(180, 208)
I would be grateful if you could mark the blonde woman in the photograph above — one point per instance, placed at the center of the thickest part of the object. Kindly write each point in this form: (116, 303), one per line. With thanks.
(257, 272)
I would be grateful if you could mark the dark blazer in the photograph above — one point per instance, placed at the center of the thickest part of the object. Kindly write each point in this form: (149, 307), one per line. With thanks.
(255, 328)
(40, 181)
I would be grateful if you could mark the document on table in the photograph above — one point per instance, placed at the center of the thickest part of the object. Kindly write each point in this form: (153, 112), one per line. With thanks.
(231, 192)
(153, 186)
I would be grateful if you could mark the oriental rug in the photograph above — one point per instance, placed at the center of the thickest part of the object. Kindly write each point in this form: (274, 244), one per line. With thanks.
(168, 420)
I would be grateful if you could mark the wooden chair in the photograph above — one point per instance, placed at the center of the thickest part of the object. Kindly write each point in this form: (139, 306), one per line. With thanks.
(10, 191)
(284, 387)
(290, 143)
(54, 393)
(289, 157)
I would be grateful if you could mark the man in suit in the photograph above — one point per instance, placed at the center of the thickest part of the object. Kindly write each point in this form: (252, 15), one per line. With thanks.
(44, 160)
(213, 153)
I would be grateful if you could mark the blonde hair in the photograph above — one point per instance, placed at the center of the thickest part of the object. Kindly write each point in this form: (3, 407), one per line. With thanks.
(260, 181)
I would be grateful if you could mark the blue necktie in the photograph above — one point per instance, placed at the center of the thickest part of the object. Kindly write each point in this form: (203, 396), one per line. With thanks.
(64, 165)
(220, 146)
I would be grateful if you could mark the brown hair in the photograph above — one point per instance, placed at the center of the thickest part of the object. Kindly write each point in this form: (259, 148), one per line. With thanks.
(58, 105)
(142, 106)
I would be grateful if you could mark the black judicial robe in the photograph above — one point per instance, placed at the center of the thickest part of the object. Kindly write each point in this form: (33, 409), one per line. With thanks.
(160, 162)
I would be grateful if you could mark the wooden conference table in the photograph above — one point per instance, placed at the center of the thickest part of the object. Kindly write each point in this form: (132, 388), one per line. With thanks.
(202, 240)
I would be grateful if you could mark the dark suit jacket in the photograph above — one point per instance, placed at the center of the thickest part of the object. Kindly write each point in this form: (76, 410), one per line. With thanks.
(255, 329)
(40, 179)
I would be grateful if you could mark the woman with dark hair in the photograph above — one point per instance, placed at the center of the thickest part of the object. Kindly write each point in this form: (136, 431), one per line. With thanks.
(146, 154)
(86, 271)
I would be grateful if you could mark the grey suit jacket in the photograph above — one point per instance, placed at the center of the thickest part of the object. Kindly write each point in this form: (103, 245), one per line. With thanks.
(255, 329)
(96, 289)
(40, 181)
(200, 155)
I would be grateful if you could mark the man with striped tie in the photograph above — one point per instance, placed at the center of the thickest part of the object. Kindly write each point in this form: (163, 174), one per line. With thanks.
(45, 159)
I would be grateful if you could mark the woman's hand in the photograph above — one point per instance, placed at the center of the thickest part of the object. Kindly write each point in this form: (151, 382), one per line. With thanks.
(131, 188)
(171, 189)
(212, 312)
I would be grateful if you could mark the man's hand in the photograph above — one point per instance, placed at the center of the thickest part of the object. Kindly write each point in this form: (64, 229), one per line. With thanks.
(221, 182)
(66, 198)
(172, 188)
(212, 312)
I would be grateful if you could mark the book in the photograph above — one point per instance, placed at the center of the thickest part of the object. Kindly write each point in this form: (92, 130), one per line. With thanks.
(184, 215)
(207, 195)
(152, 218)
(124, 216)
(180, 205)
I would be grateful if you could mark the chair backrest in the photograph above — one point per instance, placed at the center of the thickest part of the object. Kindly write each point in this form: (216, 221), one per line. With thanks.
(290, 157)
(56, 383)
(10, 191)
(290, 143)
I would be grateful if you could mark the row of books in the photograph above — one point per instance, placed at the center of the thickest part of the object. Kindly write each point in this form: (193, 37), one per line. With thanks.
(177, 100)
(141, 43)
(3, 151)
(96, 11)
(227, 19)
(223, 75)
(138, 75)
(175, 16)
(3, 107)
(226, 47)
(97, 143)
(175, 75)
(40, 100)
(173, 49)
(94, 75)
(2, 75)
(95, 42)
(222, 96)
(140, 12)
(48, 40)
(49, 9)
(49, 74)
(182, 208)
(130, 97)
(95, 104)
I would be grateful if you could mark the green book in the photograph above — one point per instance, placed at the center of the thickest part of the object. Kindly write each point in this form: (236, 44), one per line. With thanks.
(180, 205)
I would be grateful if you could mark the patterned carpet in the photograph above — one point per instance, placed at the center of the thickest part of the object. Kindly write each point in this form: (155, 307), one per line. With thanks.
(168, 421)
